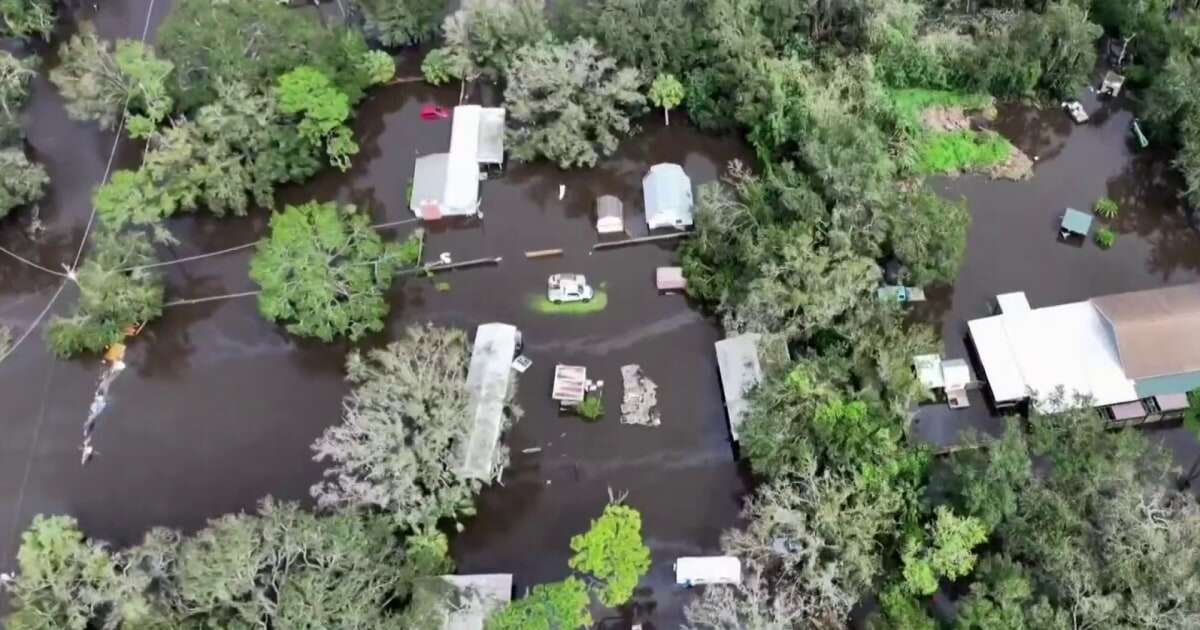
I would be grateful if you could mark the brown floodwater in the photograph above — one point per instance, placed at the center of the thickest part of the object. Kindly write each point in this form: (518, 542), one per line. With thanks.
(218, 407)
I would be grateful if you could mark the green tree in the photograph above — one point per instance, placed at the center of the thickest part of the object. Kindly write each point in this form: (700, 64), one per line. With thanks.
(21, 181)
(930, 236)
(989, 479)
(26, 18)
(438, 67)
(612, 551)
(65, 582)
(115, 292)
(666, 92)
(15, 74)
(483, 37)
(379, 66)
(555, 606)
(1051, 53)
(104, 86)
(656, 36)
(323, 271)
(400, 22)
(945, 552)
(569, 103)
(900, 611)
(404, 429)
(323, 112)
(254, 42)
(1002, 598)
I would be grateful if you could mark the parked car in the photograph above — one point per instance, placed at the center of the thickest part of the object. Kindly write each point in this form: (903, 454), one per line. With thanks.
(1075, 110)
(568, 287)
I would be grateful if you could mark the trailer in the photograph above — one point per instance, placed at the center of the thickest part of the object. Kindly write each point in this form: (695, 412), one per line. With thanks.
(697, 570)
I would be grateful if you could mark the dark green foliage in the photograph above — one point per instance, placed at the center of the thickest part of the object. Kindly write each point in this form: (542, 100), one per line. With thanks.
(21, 181)
(400, 22)
(282, 568)
(656, 36)
(254, 42)
(308, 94)
(930, 236)
(112, 295)
(15, 74)
(1051, 53)
(27, 18)
(483, 37)
(323, 272)
(555, 606)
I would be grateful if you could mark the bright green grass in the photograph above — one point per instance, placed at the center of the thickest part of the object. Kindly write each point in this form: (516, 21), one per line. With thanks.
(911, 101)
(955, 151)
(539, 303)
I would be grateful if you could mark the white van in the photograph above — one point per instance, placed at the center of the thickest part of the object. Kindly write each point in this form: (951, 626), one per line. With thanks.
(693, 571)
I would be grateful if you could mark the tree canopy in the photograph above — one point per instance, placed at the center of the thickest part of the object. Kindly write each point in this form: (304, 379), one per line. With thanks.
(404, 428)
(324, 271)
(612, 551)
(569, 103)
(27, 18)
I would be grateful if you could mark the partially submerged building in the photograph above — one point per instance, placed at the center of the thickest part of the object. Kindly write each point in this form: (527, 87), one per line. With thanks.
(489, 382)
(460, 602)
(740, 361)
(447, 184)
(668, 195)
(610, 215)
(1134, 355)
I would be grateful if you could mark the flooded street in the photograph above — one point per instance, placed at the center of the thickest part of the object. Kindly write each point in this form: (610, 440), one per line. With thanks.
(218, 407)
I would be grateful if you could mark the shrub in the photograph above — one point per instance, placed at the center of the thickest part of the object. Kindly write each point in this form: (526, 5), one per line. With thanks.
(1105, 237)
(1107, 208)
(591, 408)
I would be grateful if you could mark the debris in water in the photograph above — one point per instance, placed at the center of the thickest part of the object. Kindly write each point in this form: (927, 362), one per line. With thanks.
(562, 191)
(88, 452)
(530, 451)
(444, 258)
(522, 363)
(640, 403)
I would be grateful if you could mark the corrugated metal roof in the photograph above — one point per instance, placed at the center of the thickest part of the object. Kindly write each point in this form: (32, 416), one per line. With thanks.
(488, 380)
(1157, 331)
(668, 196)
(737, 360)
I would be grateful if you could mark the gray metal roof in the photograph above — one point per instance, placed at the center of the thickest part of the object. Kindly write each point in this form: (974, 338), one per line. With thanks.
(429, 180)
(668, 194)
(488, 379)
(609, 206)
(737, 360)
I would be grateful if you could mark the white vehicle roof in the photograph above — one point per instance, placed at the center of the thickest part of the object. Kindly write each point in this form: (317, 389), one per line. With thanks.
(708, 570)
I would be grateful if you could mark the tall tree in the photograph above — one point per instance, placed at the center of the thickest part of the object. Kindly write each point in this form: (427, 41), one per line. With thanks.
(483, 37)
(404, 429)
(21, 181)
(555, 606)
(569, 103)
(400, 22)
(666, 92)
(612, 551)
(323, 271)
(322, 109)
(15, 74)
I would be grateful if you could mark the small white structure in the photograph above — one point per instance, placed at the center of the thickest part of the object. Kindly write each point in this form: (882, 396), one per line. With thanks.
(489, 379)
(1012, 302)
(668, 194)
(447, 184)
(570, 384)
(669, 279)
(696, 570)
(463, 602)
(956, 376)
(1112, 84)
(610, 215)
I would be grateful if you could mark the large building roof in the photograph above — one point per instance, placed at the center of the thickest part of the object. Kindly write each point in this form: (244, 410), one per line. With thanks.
(1157, 331)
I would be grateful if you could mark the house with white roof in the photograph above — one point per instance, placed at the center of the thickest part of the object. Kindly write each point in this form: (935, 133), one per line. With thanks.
(668, 196)
(447, 184)
(1134, 355)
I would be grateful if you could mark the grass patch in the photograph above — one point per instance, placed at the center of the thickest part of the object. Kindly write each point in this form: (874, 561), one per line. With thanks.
(539, 303)
(955, 151)
(910, 102)
(590, 408)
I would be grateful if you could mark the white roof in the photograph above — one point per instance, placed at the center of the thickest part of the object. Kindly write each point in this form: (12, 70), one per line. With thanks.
(668, 195)
(1013, 302)
(929, 370)
(955, 374)
(464, 131)
(708, 570)
(570, 383)
(737, 360)
(491, 135)
(1041, 349)
(478, 133)
(488, 380)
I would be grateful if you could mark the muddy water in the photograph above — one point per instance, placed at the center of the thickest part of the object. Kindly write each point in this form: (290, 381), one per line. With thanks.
(218, 407)
(1013, 242)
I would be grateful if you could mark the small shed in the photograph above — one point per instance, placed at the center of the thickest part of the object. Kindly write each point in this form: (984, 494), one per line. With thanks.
(570, 384)
(489, 381)
(697, 570)
(460, 602)
(1112, 83)
(1075, 222)
(956, 375)
(668, 195)
(610, 215)
(670, 279)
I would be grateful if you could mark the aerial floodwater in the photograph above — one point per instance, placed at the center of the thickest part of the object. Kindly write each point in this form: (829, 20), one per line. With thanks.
(219, 406)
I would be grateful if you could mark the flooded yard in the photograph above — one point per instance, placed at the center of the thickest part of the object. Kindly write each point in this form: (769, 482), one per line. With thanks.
(219, 406)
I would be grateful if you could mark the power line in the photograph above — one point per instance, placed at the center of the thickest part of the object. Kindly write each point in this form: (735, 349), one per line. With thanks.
(191, 258)
(32, 264)
(33, 326)
(112, 152)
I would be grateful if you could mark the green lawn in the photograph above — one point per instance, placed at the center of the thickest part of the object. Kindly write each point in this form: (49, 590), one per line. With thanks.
(954, 151)
(910, 102)
(539, 303)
